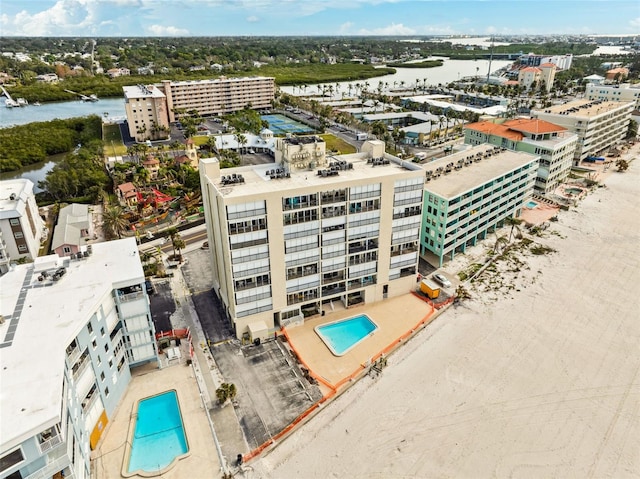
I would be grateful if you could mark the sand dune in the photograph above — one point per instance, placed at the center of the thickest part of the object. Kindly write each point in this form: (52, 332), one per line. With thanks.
(538, 380)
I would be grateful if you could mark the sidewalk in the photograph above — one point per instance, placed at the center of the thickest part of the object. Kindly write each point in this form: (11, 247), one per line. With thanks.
(225, 425)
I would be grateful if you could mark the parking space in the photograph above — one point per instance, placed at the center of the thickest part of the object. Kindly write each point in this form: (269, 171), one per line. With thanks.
(162, 305)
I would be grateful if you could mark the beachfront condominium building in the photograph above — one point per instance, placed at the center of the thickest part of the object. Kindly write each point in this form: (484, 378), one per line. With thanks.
(147, 112)
(311, 232)
(21, 227)
(563, 62)
(219, 96)
(151, 108)
(624, 92)
(469, 194)
(598, 124)
(537, 77)
(70, 330)
(554, 144)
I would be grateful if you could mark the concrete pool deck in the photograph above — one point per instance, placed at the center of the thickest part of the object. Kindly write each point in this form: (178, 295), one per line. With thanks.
(202, 461)
(396, 318)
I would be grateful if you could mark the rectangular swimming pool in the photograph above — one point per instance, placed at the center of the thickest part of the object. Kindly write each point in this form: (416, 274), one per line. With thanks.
(158, 439)
(532, 204)
(343, 335)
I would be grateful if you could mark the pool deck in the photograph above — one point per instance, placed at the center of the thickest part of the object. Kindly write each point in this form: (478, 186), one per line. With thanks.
(396, 318)
(148, 380)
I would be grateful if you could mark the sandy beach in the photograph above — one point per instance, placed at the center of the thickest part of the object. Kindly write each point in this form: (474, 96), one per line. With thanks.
(535, 376)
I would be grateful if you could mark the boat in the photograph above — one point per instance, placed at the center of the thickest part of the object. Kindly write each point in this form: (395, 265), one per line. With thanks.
(22, 102)
(92, 97)
(36, 103)
(10, 103)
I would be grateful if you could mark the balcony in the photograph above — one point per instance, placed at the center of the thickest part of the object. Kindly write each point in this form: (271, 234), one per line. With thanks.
(50, 439)
(55, 464)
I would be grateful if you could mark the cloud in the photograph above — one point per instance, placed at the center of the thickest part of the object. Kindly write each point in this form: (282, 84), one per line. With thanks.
(253, 19)
(167, 31)
(393, 29)
(64, 17)
(345, 28)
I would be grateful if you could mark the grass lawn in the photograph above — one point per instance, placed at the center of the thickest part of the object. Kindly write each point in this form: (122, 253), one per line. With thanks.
(338, 144)
(113, 145)
(200, 140)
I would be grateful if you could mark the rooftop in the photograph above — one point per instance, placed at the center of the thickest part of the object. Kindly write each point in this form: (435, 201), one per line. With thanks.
(142, 91)
(41, 318)
(217, 80)
(533, 125)
(13, 197)
(584, 108)
(256, 180)
(482, 163)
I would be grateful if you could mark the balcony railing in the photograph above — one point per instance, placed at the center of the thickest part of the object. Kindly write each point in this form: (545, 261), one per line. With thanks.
(52, 468)
(51, 443)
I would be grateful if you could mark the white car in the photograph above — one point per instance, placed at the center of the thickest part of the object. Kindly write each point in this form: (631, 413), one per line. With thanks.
(442, 280)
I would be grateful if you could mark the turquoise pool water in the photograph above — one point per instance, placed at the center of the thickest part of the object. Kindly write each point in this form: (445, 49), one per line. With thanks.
(532, 204)
(340, 336)
(280, 125)
(159, 436)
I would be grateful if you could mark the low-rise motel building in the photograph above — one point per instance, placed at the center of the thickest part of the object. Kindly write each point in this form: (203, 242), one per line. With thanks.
(599, 124)
(554, 144)
(289, 238)
(70, 330)
(469, 194)
(151, 108)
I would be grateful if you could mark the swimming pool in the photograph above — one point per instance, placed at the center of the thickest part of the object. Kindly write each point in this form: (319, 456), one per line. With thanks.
(343, 335)
(532, 204)
(158, 439)
(281, 125)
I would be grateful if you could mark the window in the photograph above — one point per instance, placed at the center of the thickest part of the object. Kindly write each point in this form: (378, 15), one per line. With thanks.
(99, 361)
(90, 328)
(94, 344)
(102, 376)
(66, 250)
(110, 363)
(18, 235)
(106, 348)
(11, 459)
(101, 331)
(14, 222)
(106, 392)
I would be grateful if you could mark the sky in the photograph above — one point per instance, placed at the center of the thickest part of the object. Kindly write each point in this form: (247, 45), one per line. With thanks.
(125, 18)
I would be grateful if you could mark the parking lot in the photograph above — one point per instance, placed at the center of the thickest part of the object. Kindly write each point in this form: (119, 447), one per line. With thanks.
(272, 391)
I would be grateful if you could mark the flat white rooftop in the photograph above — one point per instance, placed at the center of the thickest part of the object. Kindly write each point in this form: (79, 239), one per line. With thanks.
(471, 176)
(257, 179)
(13, 197)
(41, 319)
(585, 108)
(142, 91)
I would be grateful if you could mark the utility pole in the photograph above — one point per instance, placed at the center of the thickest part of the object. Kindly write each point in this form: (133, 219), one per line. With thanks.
(490, 59)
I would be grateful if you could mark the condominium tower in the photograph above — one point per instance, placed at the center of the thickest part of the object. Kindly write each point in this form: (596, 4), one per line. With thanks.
(21, 228)
(151, 108)
(624, 92)
(554, 144)
(470, 193)
(290, 239)
(70, 330)
(599, 124)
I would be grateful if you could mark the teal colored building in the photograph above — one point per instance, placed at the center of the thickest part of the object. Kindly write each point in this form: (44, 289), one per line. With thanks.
(469, 194)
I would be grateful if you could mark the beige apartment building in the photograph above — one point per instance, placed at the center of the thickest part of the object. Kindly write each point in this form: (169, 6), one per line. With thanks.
(147, 113)
(599, 124)
(295, 238)
(624, 92)
(151, 108)
(218, 96)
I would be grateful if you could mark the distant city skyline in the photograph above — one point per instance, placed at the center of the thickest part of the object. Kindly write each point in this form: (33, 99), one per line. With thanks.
(122, 18)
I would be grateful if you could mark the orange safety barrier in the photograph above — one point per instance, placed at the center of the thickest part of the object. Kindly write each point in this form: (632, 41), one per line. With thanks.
(174, 333)
(311, 373)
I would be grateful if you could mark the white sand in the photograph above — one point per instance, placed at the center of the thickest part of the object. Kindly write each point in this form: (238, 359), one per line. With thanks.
(541, 383)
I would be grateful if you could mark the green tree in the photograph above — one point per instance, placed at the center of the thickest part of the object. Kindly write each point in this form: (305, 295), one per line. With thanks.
(114, 222)
(226, 391)
(242, 140)
(515, 225)
(177, 242)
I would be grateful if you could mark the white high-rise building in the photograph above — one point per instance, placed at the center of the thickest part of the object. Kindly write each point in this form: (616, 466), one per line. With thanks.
(598, 124)
(70, 330)
(624, 92)
(21, 228)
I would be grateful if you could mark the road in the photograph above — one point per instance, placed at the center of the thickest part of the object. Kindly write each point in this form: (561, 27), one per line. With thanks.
(192, 237)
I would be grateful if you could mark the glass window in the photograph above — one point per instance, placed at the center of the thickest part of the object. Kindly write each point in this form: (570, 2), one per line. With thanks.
(14, 458)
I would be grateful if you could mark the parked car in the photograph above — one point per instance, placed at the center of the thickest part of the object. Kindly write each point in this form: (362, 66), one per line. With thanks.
(149, 287)
(442, 280)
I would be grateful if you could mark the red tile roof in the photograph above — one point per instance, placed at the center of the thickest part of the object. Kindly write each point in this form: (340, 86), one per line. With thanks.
(548, 65)
(531, 69)
(489, 128)
(533, 126)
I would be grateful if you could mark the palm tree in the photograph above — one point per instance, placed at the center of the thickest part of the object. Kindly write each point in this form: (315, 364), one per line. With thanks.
(114, 222)
(242, 140)
(515, 224)
(177, 243)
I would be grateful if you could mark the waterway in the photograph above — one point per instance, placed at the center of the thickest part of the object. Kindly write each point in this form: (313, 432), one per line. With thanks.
(451, 70)
(34, 172)
(108, 107)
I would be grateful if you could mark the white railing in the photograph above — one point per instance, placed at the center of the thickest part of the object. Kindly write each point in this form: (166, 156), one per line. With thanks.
(51, 443)
(54, 466)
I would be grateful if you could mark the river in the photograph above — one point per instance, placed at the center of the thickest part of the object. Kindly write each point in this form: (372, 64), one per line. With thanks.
(111, 107)
(451, 70)
(34, 172)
